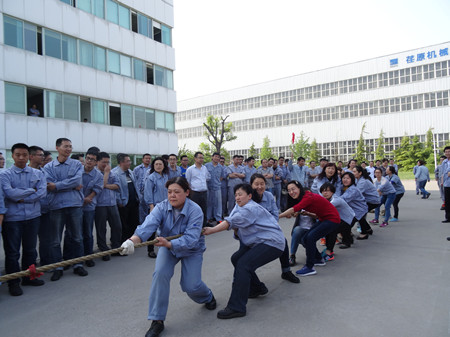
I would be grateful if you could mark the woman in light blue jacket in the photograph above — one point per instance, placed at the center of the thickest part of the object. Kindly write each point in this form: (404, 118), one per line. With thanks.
(329, 174)
(387, 193)
(422, 176)
(392, 176)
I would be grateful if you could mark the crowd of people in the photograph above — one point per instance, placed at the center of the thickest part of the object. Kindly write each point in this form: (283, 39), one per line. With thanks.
(56, 202)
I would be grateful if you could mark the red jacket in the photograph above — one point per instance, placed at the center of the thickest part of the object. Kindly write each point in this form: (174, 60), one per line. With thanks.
(318, 205)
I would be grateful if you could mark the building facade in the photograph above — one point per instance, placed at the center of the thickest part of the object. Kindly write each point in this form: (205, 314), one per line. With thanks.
(401, 94)
(99, 72)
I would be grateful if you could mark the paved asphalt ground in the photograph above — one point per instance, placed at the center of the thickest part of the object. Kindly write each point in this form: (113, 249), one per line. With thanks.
(397, 283)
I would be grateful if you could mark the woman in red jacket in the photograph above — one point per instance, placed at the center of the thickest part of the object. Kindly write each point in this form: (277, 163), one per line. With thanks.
(308, 203)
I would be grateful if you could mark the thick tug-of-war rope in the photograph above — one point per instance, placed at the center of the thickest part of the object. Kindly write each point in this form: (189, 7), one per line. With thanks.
(32, 272)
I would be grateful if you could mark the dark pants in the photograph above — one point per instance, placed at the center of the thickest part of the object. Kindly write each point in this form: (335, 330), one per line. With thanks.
(447, 202)
(201, 199)
(72, 219)
(321, 230)
(44, 239)
(88, 241)
(129, 217)
(16, 234)
(284, 258)
(245, 261)
(110, 214)
(365, 227)
(396, 202)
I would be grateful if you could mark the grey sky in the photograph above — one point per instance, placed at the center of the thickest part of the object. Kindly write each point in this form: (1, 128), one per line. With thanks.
(221, 45)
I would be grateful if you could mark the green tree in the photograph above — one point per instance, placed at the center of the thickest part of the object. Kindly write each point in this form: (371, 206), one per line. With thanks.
(207, 150)
(301, 147)
(314, 152)
(218, 131)
(379, 152)
(265, 152)
(401, 153)
(360, 154)
(252, 152)
(415, 153)
(184, 151)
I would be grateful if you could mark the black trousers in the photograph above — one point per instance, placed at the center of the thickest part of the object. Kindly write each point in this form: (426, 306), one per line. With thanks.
(129, 216)
(447, 202)
(201, 199)
(395, 204)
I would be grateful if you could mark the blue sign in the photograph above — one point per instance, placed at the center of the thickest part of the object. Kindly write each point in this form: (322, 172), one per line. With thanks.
(429, 55)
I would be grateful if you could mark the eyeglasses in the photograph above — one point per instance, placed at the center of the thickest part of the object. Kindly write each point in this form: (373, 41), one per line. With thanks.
(90, 159)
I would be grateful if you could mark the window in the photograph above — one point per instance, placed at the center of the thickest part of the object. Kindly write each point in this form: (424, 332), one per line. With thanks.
(430, 100)
(69, 49)
(126, 114)
(98, 8)
(112, 11)
(417, 101)
(30, 37)
(170, 124)
(139, 118)
(52, 43)
(157, 31)
(125, 65)
(70, 107)
(99, 58)
(416, 73)
(441, 69)
(84, 5)
(160, 120)
(98, 111)
(15, 101)
(428, 71)
(382, 80)
(144, 25)
(362, 83)
(113, 62)
(139, 70)
(343, 87)
(13, 32)
(166, 35)
(406, 103)
(442, 98)
(393, 77)
(53, 104)
(150, 119)
(124, 17)
(405, 75)
(58, 105)
(86, 54)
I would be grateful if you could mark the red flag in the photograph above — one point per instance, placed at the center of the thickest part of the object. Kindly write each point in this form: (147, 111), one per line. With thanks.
(293, 138)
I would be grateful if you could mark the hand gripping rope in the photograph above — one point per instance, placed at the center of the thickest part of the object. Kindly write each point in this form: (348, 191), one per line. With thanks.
(32, 272)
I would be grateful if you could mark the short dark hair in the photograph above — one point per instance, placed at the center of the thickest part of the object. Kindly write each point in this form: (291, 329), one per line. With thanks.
(236, 156)
(93, 149)
(197, 153)
(60, 140)
(47, 153)
(183, 156)
(323, 159)
(165, 157)
(182, 181)
(328, 186)
(385, 160)
(92, 153)
(352, 177)
(447, 148)
(215, 154)
(247, 188)
(441, 157)
(121, 157)
(33, 149)
(280, 157)
(20, 146)
(102, 155)
(300, 158)
(250, 158)
(146, 154)
(173, 155)
(256, 176)
(222, 157)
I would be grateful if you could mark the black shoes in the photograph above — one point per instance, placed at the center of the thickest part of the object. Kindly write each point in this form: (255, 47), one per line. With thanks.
(228, 313)
(152, 254)
(155, 329)
(15, 289)
(106, 258)
(255, 293)
(211, 305)
(57, 274)
(446, 221)
(344, 246)
(80, 271)
(90, 263)
(288, 276)
(363, 237)
(35, 283)
(292, 261)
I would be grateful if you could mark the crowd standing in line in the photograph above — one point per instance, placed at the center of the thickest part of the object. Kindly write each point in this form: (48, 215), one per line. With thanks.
(67, 197)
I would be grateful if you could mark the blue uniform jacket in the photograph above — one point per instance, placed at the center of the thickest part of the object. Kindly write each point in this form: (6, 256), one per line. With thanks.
(189, 223)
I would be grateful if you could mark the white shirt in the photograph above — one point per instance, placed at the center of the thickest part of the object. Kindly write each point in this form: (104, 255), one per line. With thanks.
(197, 178)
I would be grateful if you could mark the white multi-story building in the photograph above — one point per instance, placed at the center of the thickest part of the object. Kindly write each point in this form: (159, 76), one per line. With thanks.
(402, 94)
(100, 72)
